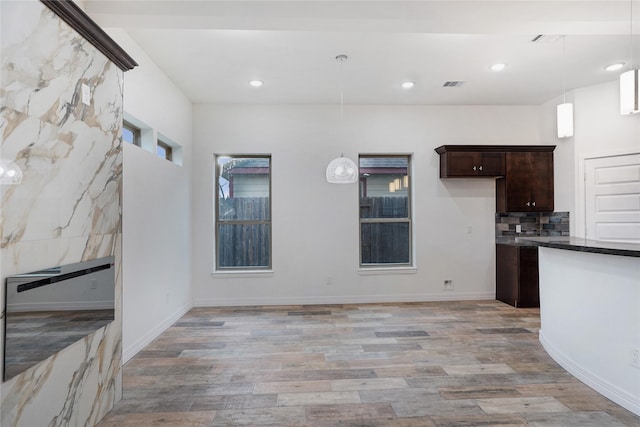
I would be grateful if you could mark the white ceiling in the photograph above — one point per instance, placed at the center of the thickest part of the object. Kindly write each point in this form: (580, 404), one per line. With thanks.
(211, 49)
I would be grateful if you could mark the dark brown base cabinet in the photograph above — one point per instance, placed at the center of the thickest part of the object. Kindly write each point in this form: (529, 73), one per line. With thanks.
(517, 275)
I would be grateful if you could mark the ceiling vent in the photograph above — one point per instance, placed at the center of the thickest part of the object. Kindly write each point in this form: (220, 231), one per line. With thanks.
(453, 83)
(546, 38)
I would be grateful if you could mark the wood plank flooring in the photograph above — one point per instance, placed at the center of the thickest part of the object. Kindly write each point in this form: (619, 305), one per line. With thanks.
(418, 364)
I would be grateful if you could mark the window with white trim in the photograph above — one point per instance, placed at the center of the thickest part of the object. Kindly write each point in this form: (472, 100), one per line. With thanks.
(385, 210)
(242, 212)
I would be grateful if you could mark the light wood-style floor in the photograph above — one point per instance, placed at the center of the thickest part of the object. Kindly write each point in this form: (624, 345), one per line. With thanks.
(420, 364)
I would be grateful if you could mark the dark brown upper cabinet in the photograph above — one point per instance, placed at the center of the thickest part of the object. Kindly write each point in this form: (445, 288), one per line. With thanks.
(524, 172)
(469, 161)
(528, 182)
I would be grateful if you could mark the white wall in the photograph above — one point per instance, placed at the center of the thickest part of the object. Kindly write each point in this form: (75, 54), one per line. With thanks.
(590, 319)
(315, 224)
(600, 130)
(156, 206)
(599, 126)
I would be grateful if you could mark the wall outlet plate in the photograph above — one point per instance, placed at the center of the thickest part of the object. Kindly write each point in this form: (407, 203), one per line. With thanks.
(635, 357)
(448, 285)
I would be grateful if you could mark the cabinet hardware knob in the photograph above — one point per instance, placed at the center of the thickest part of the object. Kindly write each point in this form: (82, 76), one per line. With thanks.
(534, 203)
(474, 168)
(528, 204)
(480, 168)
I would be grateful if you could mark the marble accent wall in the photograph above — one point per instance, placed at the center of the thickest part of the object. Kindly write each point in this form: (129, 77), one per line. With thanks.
(67, 208)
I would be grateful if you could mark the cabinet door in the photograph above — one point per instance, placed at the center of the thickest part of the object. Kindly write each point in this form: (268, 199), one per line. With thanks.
(507, 274)
(491, 164)
(469, 164)
(528, 289)
(518, 182)
(517, 275)
(542, 182)
(462, 163)
(528, 184)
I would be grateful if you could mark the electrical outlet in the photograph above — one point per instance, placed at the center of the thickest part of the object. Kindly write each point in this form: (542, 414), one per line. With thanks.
(94, 284)
(635, 357)
(518, 228)
(329, 281)
(448, 285)
(469, 229)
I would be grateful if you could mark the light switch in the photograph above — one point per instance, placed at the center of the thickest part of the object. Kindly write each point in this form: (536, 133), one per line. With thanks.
(86, 94)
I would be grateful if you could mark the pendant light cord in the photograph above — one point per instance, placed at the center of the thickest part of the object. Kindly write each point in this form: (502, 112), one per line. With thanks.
(631, 35)
(341, 58)
(564, 71)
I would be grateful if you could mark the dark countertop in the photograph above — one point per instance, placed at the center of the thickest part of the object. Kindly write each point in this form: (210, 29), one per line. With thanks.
(515, 241)
(583, 245)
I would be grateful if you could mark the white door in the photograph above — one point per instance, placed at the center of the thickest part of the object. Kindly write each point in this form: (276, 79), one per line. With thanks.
(612, 198)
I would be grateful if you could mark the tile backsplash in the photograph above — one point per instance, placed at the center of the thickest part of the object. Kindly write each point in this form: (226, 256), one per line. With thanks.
(532, 224)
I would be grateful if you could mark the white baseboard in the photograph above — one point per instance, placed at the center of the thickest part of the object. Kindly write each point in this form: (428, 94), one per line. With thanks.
(344, 299)
(133, 349)
(600, 385)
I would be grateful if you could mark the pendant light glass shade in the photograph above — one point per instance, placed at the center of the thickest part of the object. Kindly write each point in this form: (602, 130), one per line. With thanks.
(565, 120)
(629, 92)
(342, 170)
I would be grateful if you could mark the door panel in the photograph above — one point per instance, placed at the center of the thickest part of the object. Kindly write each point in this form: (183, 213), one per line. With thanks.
(612, 198)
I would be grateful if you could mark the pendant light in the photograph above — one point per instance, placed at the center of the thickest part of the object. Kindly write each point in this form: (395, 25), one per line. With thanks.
(564, 110)
(342, 170)
(629, 89)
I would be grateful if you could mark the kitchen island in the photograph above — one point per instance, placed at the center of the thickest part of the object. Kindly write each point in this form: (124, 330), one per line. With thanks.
(590, 313)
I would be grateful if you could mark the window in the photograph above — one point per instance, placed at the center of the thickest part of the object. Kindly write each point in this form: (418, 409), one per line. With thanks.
(164, 150)
(131, 134)
(385, 210)
(243, 212)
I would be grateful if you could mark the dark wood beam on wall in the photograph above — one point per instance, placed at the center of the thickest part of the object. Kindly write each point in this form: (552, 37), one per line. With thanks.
(73, 15)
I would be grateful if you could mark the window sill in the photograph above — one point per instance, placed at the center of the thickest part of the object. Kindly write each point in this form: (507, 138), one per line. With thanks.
(241, 273)
(363, 271)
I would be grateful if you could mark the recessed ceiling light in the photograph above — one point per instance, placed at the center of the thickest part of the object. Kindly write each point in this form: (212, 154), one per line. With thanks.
(614, 67)
(498, 67)
(256, 83)
(408, 85)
